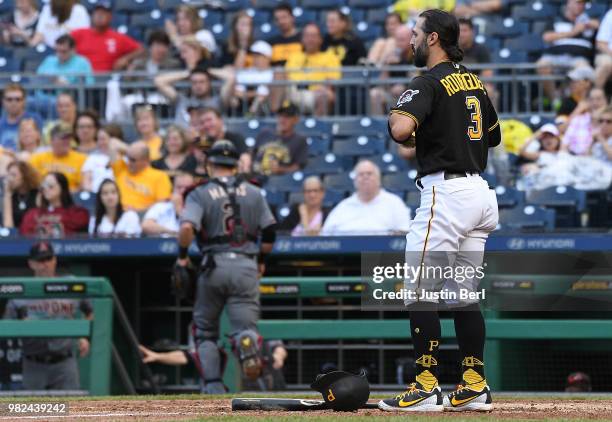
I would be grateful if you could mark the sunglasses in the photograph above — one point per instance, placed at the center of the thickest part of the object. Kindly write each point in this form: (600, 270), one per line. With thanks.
(132, 159)
(605, 121)
(13, 99)
(312, 190)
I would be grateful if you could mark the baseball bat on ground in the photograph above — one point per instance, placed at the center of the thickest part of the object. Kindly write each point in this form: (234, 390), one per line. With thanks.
(295, 405)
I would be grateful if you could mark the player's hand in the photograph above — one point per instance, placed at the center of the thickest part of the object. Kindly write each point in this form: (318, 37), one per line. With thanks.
(580, 27)
(261, 269)
(148, 355)
(83, 347)
(183, 262)
(279, 355)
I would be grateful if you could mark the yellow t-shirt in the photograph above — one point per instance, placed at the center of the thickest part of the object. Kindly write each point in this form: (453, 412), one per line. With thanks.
(406, 7)
(155, 147)
(45, 162)
(140, 191)
(514, 134)
(302, 61)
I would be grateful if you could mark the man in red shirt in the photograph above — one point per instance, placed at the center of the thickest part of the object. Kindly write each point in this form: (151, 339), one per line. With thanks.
(105, 48)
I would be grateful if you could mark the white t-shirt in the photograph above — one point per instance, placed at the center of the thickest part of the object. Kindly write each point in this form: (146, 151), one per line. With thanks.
(128, 225)
(51, 30)
(97, 164)
(206, 38)
(384, 214)
(163, 213)
(605, 29)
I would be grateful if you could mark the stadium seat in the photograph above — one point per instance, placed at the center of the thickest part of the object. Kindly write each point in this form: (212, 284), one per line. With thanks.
(509, 197)
(318, 145)
(259, 16)
(322, 4)
(235, 5)
(7, 6)
(265, 31)
(402, 181)
(369, 4)
(248, 128)
(507, 27)
(119, 19)
(285, 183)
(211, 17)
(271, 4)
(413, 200)
(312, 126)
(86, 200)
(597, 10)
(527, 217)
(282, 211)
(220, 32)
(529, 43)
(567, 201)
(34, 55)
(328, 164)
(508, 56)
(367, 31)
(490, 42)
(491, 179)
(134, 6)
(302, 17)
(359, 146)
(274, 198)
(377, 16)
(340, 182)
(331, 198)
(9, 64)
(535, 11)
(359, 126)
(389, 163)
(152, 19)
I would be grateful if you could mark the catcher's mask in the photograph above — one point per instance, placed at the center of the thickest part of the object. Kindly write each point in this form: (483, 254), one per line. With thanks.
(342, 390)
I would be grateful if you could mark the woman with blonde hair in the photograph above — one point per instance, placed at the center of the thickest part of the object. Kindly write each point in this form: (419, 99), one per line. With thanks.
(20, 29)
(177, 157)
(235, 52)
(147, 127)
(194, 54)
(188, 22)
(28, 139)
(57, 18)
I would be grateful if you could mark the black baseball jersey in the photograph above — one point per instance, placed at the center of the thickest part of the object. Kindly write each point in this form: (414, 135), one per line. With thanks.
(455, 119)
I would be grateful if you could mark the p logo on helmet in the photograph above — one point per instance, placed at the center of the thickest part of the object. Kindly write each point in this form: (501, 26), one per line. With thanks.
(342, 390)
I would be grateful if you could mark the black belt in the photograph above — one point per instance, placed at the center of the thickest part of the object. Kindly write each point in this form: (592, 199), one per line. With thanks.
(49, 359)
(448, 175)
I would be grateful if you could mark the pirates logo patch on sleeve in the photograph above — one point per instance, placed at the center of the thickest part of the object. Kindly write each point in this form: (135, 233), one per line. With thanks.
(407, 96)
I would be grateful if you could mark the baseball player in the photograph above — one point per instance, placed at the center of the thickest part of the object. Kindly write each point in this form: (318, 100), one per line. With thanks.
(447, 114)
(229, 216)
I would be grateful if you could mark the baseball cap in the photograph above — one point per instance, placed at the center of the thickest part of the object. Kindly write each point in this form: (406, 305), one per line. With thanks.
(224, 153)
(584, 73)
(104, 4)
(61, 131)
(578, 382)
(550, 128)
(262, 47)
(41, 251)
(203, 143)
(288, 109)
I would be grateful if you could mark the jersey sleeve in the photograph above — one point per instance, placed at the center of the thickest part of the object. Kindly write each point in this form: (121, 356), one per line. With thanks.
(417, 101)
(194, 210)
(266, 218)
(493, 124)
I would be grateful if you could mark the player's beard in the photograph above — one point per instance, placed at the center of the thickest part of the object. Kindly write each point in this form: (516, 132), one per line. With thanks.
(421, 54)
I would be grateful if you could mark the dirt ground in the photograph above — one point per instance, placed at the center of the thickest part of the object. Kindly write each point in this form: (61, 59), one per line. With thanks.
(180, 409)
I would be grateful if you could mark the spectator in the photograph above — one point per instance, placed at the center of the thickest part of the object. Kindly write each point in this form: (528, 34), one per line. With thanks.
(578, 136)
(542, 147)
(20, 28)
(140, 184)
(341, 40)
(603, 60)
(472, 51)
(158, 56)
(162, 219)
(29, 139)
(49, 363)
(571, 42)
(581, 81)
(312, 65)
(193, 54)
(105, 48)
(86, 128)
(61, 158)
(57, 18)
(111, 220)
(602, 136)
(20, 193)
(177, 157)
(252, 83)
(235, 52)
(382, 96)
(307, 218)
(14, 111)
(410, 9)
(57, 216)
(189, 23)
(287, 42)
(65, 64)
(470, 8)
(200, 94)
(282, 151)
(199, 150)
(214, 129)
(370, 210)
(66, 112)
(97, 167)
(147, 126)
(385, 46)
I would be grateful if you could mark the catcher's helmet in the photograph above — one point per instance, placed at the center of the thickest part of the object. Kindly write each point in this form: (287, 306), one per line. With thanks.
(342, 390)
(224, 153)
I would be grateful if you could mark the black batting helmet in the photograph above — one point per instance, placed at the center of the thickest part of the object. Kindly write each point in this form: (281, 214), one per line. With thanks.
(223, 153)
(342, 390)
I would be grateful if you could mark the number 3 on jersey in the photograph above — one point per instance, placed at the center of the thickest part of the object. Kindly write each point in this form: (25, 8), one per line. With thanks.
(475, 129)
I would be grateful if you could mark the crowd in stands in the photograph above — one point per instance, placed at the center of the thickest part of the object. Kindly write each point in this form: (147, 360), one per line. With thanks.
(75, 171)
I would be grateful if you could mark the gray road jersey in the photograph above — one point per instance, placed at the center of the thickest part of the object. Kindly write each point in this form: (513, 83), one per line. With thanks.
(208, 209)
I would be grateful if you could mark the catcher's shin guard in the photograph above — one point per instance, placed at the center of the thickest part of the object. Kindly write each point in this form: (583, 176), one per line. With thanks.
(247, 347)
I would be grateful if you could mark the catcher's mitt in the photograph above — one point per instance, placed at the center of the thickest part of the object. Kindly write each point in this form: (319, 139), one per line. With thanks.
(184, 279)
